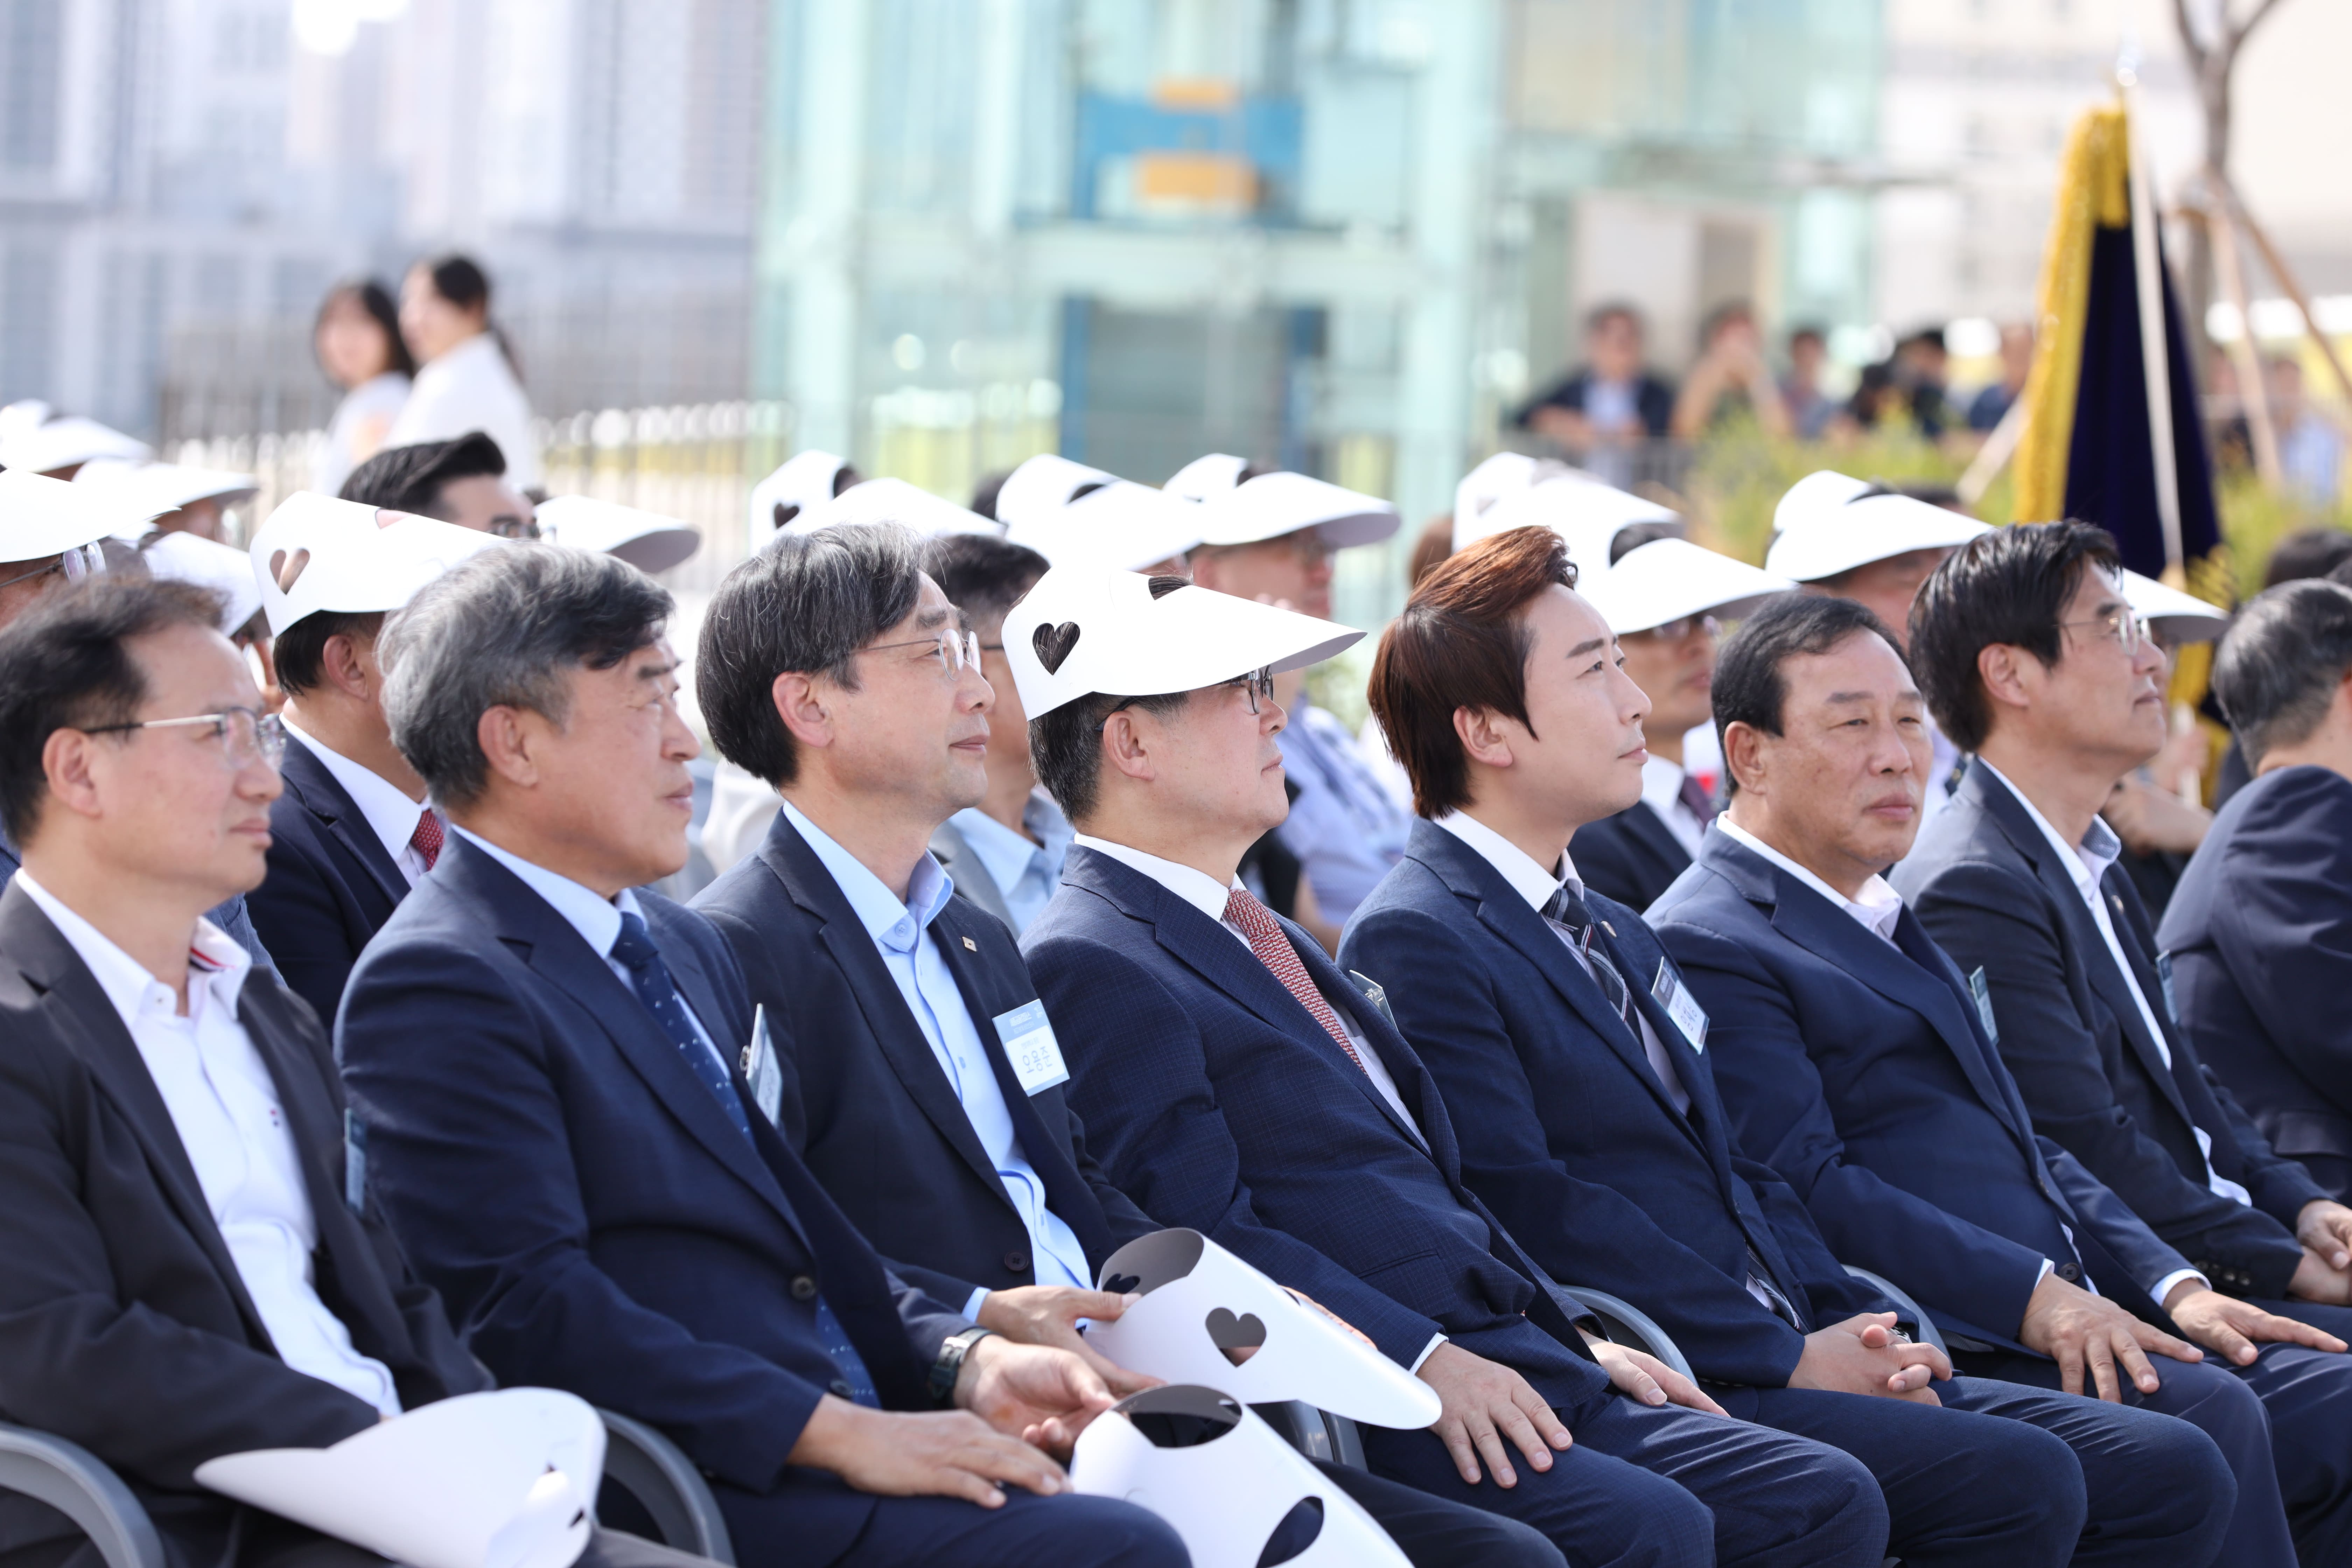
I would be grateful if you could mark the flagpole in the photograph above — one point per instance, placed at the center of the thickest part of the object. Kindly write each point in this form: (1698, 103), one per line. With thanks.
(2148, 265)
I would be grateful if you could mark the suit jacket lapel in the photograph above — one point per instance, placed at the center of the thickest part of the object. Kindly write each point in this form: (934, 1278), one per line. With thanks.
(327, 800)
(96, 1032)
(1647, 826)
(900, 1038)
(2135, 950)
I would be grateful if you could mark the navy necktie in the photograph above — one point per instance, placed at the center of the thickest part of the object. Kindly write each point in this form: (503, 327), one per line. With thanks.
(1568, 909)
(634, 951)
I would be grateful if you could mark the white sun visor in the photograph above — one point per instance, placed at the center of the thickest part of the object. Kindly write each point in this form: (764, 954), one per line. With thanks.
(228, 571)
(484, 1480)
(1272, 505)
(2175, 617)
(1205, 478)
(1668, 579)
(805, 481)
(645, 539)
(895, 500)
(1502, 475)
(1584, 511)
(41, 517)
(320, 554)
(1076, 516)
(161, 487)
(1201, 1301)
(64, 441)
(1082, 629)
(1212, 1468)
(1830, 523)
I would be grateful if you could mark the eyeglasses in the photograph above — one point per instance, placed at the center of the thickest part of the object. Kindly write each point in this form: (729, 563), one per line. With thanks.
(81, 562)
(1676, 630)
(2126, 626)
(505, 525)
(1256, 684)
(955, 650)
(248, 734)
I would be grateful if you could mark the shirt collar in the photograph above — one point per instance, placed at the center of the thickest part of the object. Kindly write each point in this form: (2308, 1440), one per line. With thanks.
(1878, 907)
(1662, 784)
(596, 918)
(2086, 863)
(1007, 856)
(888, 920)
(390, 814)
(216, 964)
(1527, 878)
(1197, 889)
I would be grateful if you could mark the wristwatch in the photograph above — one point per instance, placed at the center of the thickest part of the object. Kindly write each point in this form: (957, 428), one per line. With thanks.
(949, 1364)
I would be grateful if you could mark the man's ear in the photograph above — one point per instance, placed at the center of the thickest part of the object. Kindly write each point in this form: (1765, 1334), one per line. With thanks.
(66, 762)
(2001, 667)
(1126, 748)
(801, 705)
(506, 735)
(342, 668)
(1486, 736)
(1743, 758)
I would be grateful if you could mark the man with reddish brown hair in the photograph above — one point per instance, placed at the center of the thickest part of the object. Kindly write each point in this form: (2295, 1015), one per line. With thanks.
(1553, 1022)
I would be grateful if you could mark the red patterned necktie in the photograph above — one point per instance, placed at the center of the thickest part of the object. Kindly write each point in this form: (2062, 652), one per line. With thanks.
(427, 839)
(1267, 940)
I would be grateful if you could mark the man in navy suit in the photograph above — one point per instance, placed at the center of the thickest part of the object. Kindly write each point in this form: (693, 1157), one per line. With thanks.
(1855, 1061)
(1554, 1024)
(544, 1064)
(1234, 1081)
(2259, 933)
(921, 1081)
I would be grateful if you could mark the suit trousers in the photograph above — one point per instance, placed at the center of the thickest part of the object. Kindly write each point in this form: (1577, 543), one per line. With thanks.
(1436, 1533)
(1669, 1488)
(2216, 1401)
(2009, 1477)
(2308, 1393)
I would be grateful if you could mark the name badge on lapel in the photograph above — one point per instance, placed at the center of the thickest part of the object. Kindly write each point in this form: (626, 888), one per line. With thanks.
(1983, 993)
(1030, 1046)
(1681, 1006)
(2164, 974)
(760, 1069)
(354, 1161)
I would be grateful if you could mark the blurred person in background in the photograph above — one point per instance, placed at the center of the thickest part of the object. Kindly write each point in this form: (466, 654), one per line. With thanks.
(2307, 553)
(463, 481)
(467, 381)
(1985, 409)
(1730, 376)
(1610, 403)
(2310, 446)
(358, 343)
(1810, 409)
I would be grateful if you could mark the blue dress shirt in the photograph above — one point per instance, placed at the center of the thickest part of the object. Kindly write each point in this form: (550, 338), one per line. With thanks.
(1346, 828)
(1025, 868)
(901, 934)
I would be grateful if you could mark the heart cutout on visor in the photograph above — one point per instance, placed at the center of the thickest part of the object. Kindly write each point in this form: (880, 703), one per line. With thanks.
(287, 573)
(1236, 1336)
(1054, 644)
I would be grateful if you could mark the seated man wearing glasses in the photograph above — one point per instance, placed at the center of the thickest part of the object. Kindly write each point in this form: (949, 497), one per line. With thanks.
(462, 481)
(191, 1270)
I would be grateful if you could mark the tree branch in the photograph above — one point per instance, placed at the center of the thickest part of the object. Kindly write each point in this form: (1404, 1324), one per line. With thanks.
(2233, 36)
(2190, 42)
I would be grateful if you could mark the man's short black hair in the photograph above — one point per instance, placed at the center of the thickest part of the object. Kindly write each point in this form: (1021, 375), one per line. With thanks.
(410, 479)
(981, 575)
(2281, 663)
(806, 603)
(65, 664)
(1634, 535)
(1065, 746)
(300, 656)
(2307, 552)
(1751, 687)
(2009, 586)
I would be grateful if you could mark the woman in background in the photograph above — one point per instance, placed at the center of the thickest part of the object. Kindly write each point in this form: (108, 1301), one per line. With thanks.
(358, 343)
(467, 381)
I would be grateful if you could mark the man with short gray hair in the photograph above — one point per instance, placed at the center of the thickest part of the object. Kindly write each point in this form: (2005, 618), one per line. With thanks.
(542, 1055)
(2259, 935)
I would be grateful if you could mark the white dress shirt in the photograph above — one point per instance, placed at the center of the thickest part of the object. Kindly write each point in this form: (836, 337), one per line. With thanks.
(596, 918)
(1878, 907)
(1662, 792)
(1200, 889)
(472, 387)
(390, 814)
(901, 932)
(1536, 885)
(226, 1109)
(2086, 865)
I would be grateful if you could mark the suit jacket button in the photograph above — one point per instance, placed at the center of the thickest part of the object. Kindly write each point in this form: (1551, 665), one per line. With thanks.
(803, 1287)
(1016, 1262)
(840, 1387)
(2069, 1272)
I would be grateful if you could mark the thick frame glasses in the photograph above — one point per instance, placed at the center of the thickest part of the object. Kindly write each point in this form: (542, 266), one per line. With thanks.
(248, 734)
(80, 562)
(2126, 626)
(1676, 630)
(955, 650)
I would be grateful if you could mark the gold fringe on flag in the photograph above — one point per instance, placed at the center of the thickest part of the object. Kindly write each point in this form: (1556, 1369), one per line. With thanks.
(2093, 191)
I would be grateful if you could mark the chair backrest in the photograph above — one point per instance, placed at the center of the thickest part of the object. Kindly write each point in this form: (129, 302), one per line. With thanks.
(75, 1482)
(1629, 1325)
(1928, 1333)
(650, 1468)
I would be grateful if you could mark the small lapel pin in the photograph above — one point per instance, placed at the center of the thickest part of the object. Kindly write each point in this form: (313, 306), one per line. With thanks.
(1610, 929)
(972, 944)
